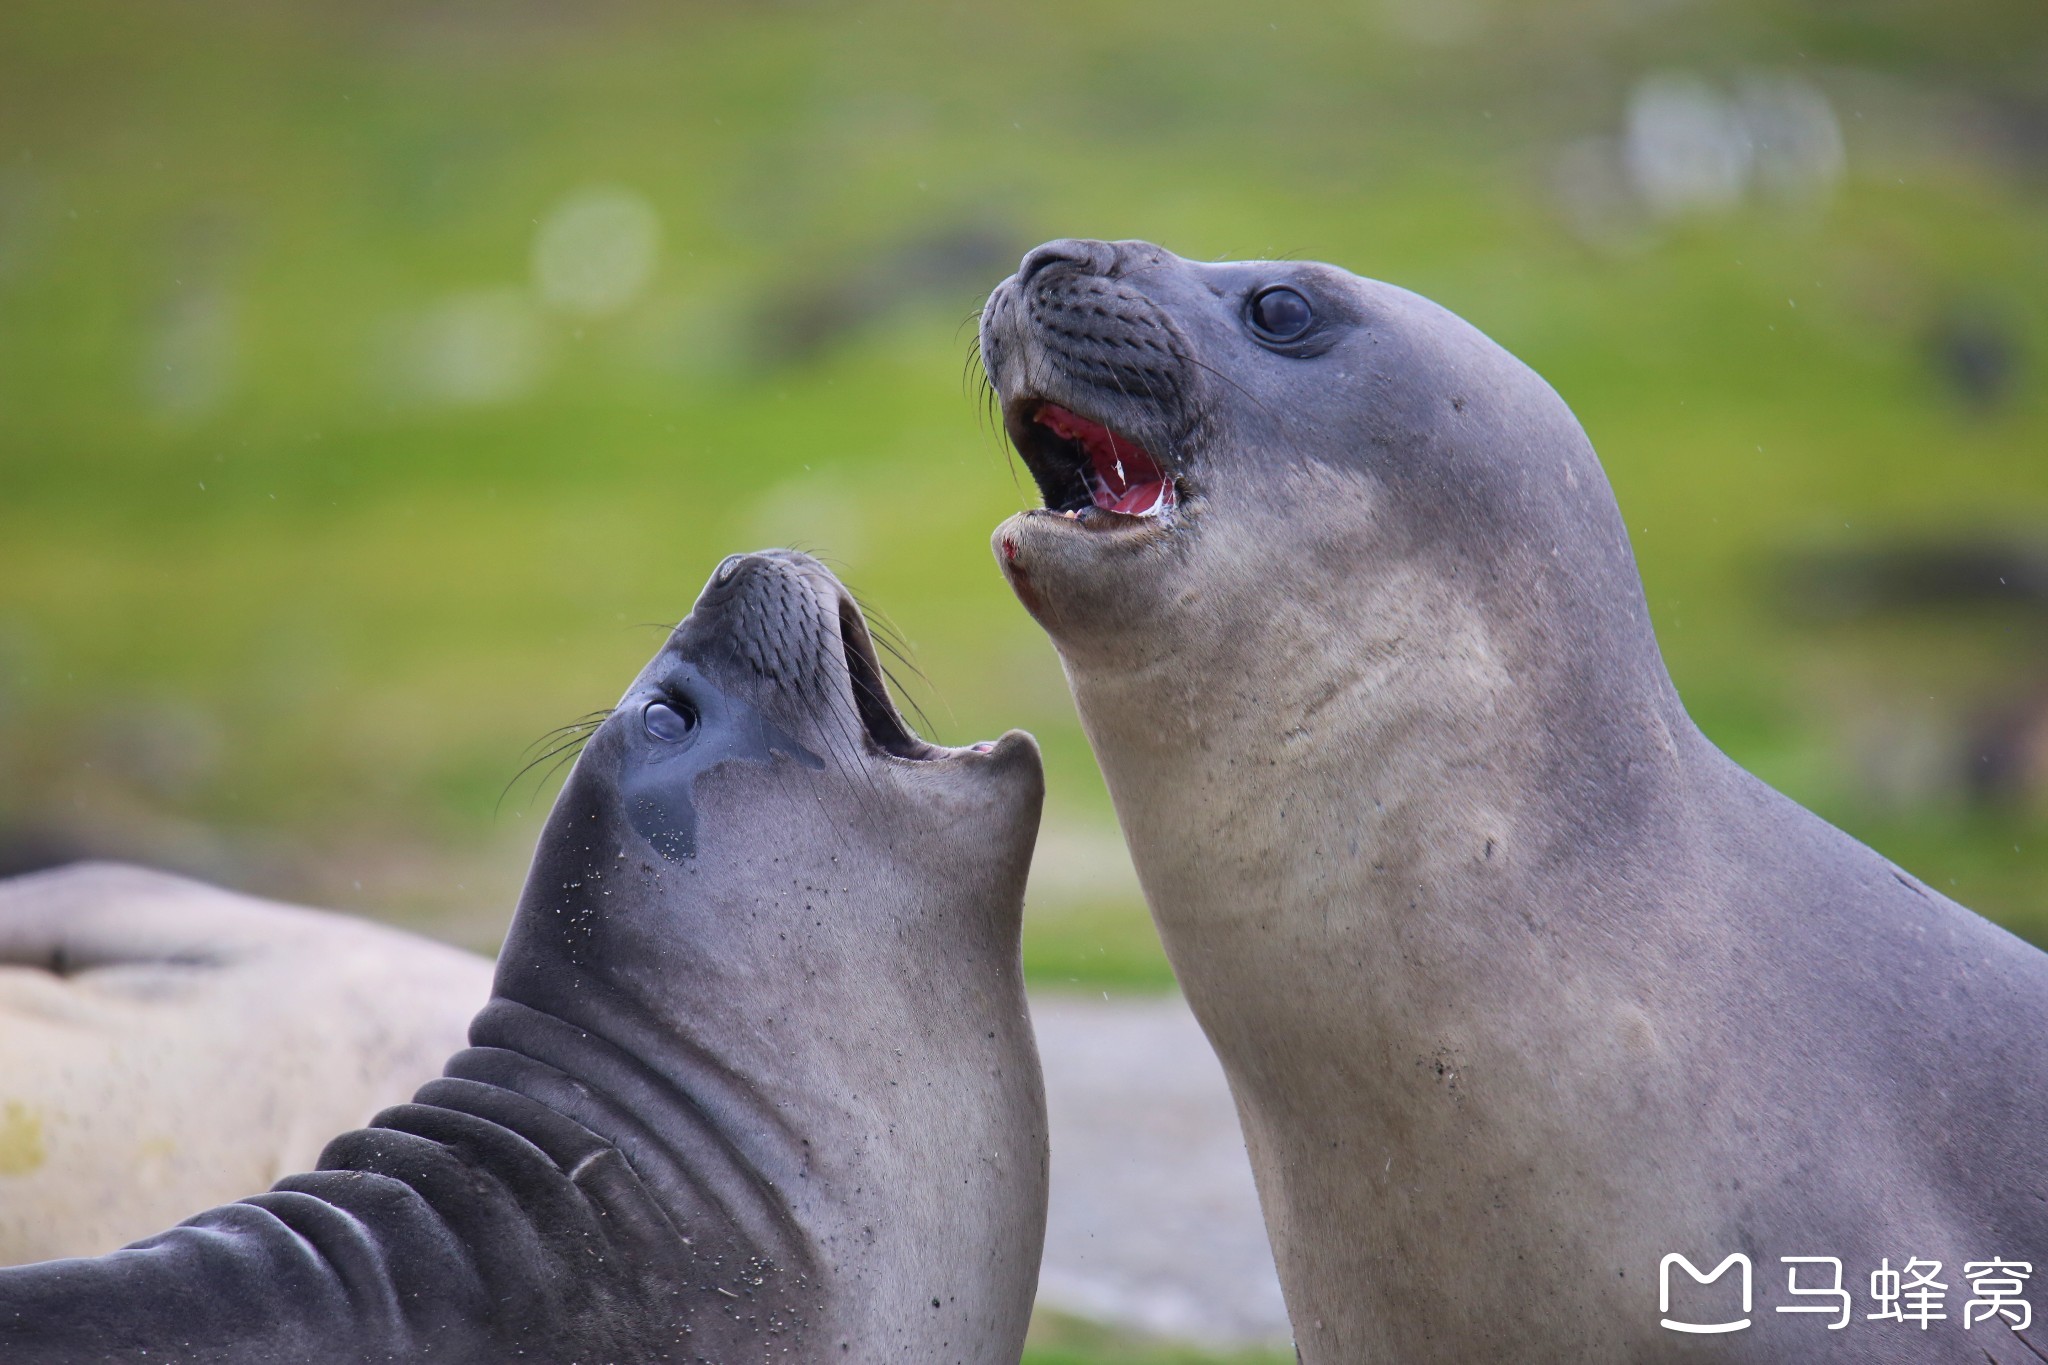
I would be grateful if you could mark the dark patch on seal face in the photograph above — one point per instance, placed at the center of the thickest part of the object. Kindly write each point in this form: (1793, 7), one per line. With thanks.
(686, 727)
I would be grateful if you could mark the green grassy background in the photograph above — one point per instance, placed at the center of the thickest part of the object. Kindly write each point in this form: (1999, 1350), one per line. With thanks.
(275, 610)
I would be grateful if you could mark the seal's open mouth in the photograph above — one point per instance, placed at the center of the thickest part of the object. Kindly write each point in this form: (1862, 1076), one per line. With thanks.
(1083, 468)
(878, 715)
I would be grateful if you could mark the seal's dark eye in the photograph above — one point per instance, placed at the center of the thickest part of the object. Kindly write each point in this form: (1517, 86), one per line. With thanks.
(670, 723)
(1280, 314)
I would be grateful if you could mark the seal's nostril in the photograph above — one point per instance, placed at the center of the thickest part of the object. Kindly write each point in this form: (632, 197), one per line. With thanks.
(1089, 256)
(727, 567)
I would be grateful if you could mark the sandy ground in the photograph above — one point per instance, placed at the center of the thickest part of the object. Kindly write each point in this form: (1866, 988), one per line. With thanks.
(1154, 1223)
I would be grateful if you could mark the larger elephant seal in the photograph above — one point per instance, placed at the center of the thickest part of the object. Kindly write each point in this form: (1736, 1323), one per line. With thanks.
(756, 1082)
(166, 1045)
(1521, 986)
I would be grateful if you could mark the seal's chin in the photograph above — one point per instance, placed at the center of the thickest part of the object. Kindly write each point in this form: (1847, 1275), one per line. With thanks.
(1087, 472)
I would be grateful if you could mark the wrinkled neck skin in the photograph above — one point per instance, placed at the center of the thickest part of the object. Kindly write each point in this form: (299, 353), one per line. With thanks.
(821, 1077)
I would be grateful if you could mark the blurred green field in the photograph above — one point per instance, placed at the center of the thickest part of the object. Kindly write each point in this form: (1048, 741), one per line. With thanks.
(288, 576)
(1057, 1339)
(321, 497)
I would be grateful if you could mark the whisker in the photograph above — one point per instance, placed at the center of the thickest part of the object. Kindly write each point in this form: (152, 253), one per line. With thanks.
(564, 751)
(548, 776)
(582, 724)
(885, 632)
(847, 730)
(924, 721)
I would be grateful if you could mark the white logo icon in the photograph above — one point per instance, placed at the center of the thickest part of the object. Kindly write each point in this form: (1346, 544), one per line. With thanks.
(1664, 1291)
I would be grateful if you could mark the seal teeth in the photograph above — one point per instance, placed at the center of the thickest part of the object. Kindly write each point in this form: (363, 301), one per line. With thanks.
(1080, 463)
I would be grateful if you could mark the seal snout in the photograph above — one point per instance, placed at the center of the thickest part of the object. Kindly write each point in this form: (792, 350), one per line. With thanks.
(1094, 378)
(792, 624)
(1090, 257)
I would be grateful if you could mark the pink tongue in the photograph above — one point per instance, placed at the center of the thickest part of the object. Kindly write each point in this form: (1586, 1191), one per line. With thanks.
(1127, 478)
(1139, 500)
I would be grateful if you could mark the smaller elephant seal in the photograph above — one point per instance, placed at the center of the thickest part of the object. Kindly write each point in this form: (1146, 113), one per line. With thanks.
(756, 1081)
(166, 1045)
(1523, 989)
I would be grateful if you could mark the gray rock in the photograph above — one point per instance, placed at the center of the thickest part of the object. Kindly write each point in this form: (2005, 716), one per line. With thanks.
(1154, 1224)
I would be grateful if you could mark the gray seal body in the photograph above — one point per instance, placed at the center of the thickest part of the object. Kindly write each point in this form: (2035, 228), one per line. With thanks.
(756, 1082)
(1521, 986)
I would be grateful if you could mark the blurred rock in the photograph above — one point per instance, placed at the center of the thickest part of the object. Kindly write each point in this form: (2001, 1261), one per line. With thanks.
(1843, 584)
(823, 513)
(28, 848)
(1901, 752)
(2007, 760)
(1930, 124)
(163, 749)
(1154, 1222)
(1591, 187)
(952, 264)
(1081, 864)
(1687, 148)
(2019, 134)
(1976, 350)
(189, 362)
(2003, 743)
(596, 250)
(1797, 153)
(24, 222)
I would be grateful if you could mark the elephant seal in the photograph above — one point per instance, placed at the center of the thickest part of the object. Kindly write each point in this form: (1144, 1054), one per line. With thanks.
(755, 1083)
(1522, 987)
(166, 1045)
